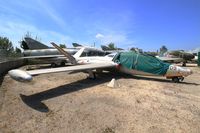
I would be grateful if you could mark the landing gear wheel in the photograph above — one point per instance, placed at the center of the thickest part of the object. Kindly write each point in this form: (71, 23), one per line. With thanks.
(92, 75)
(184, 64)
(175, 79)
(53, 65)
(181, 78)
(62, 63)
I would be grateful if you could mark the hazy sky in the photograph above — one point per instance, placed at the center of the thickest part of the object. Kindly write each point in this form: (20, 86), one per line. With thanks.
(145, 24)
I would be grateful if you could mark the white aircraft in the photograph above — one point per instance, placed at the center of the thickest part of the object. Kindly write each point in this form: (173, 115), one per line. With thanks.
(177, 56)
(39, 53)
(128, 62)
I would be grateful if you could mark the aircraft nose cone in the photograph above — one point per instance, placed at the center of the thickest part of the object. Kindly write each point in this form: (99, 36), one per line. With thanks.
(189, 72)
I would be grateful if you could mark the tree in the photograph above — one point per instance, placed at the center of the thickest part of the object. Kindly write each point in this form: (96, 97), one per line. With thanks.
(112, 46)
(133, 49)
(151, 53)
(17, 50)
(16, 53)
(136, 50)
(163, 49)
(6, 44)
(62, 45)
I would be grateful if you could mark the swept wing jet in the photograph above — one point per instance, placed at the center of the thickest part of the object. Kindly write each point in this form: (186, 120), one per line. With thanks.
(128, 62)
(40, 53)
(177, 57)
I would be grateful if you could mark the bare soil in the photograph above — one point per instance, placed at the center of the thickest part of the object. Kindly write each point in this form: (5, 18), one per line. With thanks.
(72, 103)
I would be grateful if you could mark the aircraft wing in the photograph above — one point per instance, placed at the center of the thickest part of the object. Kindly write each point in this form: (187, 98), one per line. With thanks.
(21, 75)
(42, 56)
(169, 59)
(72, 68)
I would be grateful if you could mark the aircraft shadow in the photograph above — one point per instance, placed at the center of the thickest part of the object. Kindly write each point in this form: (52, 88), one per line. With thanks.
(1, 79)
(35, 101)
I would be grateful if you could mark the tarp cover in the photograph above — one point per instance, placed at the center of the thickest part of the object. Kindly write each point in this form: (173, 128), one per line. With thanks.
(141, 62)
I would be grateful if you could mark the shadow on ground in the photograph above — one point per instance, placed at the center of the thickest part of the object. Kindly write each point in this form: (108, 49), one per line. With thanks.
(1, 80)
(35, 101)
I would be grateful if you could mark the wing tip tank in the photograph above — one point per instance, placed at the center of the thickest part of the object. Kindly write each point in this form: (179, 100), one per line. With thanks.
(20, 75)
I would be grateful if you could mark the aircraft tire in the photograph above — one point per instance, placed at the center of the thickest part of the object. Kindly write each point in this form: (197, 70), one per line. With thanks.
(175, 79)
(94, 76)
(184, 64)
(181, 78)
(62, 63)
(53, 64)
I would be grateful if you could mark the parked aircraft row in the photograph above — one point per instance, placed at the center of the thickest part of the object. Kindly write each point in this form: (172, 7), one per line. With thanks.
(128, 62)
(41, 53)
(178, 56)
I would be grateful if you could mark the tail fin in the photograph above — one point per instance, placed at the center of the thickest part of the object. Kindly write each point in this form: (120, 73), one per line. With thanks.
(66, 54)
(31, 44)
(76, 45)
(79, 53)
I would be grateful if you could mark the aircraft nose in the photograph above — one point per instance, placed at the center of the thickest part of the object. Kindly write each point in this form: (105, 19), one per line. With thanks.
(188, 72)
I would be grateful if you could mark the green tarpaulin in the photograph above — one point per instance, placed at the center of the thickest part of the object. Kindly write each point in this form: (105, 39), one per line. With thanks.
(141, 62)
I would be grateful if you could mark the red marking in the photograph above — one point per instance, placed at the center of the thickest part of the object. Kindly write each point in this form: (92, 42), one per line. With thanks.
(173, 68)
(118, 66)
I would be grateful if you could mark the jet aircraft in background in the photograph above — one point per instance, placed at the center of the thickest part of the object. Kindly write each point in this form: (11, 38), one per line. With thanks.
(110, 50)
(40, 53)
(177, 56)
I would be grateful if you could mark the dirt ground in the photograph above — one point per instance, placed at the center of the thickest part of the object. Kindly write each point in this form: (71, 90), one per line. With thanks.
(71, 103)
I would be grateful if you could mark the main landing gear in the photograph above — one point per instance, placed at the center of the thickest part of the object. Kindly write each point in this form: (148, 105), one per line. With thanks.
(177, 79)
(92, 75)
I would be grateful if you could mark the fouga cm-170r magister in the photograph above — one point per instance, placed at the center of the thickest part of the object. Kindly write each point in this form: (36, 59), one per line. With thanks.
(128, 62)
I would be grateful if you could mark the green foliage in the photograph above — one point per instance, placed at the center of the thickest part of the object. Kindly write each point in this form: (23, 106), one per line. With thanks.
(163, 49)
(112, 46)
(133, 49)
(17, 50)
(6, 44)
(151, 53)
(136, 50)
(62, 45)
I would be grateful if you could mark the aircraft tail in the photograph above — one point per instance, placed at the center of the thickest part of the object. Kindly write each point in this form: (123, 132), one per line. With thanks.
(66, 54)
(76, 45)
(79, 53)
(31, 44)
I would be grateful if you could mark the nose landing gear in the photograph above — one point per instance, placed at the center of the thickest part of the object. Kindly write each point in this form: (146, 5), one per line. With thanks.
(177, 79)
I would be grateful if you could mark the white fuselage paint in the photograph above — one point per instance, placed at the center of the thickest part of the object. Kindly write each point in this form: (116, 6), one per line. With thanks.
(177, 71)
(173, 71)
